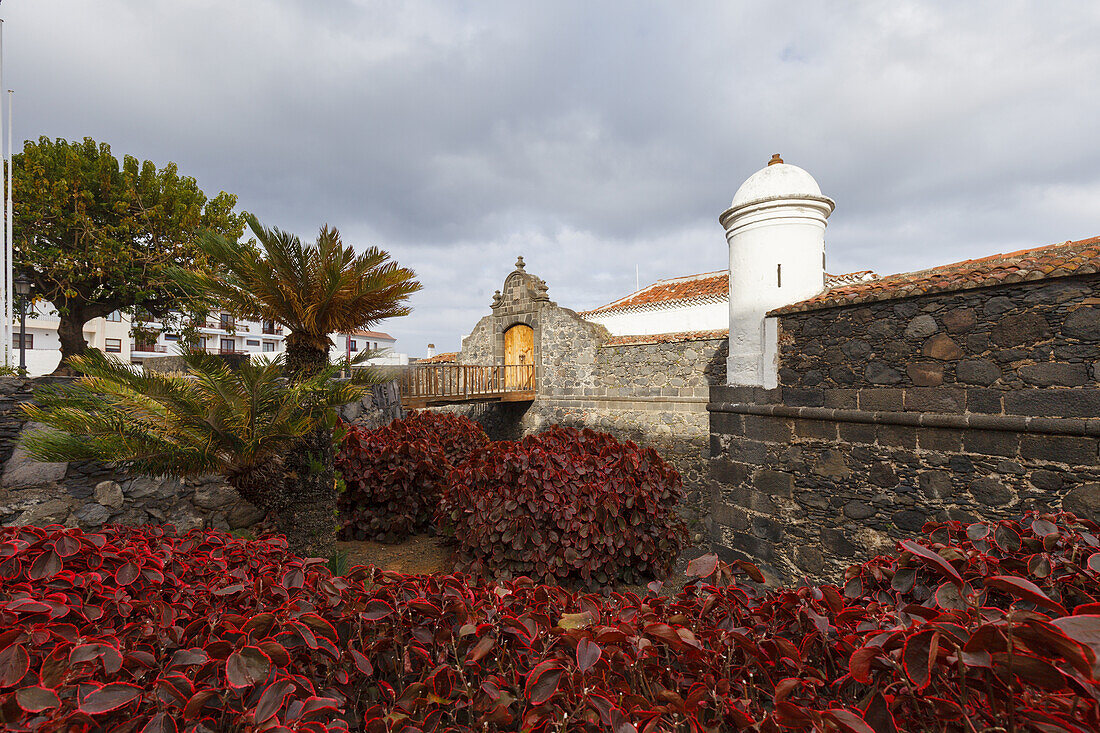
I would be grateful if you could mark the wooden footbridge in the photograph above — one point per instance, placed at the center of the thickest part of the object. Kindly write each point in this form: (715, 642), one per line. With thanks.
(427, 385)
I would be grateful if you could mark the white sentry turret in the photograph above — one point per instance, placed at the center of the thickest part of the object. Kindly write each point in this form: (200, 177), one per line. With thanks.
(775, 227)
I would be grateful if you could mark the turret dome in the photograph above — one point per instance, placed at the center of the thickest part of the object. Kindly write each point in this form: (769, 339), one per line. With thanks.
(776, 180)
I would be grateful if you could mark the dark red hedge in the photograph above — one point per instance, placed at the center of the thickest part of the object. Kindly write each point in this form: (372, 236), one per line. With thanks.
(989, 627)
(394, 474)
(566, 505)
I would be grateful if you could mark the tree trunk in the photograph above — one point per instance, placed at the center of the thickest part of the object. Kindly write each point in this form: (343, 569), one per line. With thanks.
(304, 360)
(70, 332)
(308, 514)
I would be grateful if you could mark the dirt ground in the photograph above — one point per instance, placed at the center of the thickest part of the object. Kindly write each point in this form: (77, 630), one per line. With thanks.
(418, 555)
(426, 554)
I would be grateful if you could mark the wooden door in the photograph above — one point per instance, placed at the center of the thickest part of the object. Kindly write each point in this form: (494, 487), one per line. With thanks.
(519, 349)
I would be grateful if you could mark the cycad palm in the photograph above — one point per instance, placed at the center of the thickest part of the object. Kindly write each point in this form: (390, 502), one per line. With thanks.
(239, 423)
(313, 290)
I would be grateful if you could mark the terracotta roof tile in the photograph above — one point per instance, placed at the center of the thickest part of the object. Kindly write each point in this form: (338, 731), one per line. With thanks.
(373, 335)
(705, 286)
(666, 338)
(1056, 260)
(447, 357)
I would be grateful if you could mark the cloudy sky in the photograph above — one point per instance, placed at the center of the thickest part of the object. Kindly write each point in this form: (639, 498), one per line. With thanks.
(589, 137)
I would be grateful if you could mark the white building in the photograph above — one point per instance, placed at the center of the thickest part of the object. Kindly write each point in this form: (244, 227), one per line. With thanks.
(347, 346)
(676, 305)
(221, 333)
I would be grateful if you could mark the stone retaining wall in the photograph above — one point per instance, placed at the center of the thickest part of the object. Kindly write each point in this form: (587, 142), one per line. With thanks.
(89, 495)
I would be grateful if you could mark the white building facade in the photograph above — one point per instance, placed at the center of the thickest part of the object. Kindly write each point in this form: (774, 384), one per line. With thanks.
(347, 346)
(221, 333)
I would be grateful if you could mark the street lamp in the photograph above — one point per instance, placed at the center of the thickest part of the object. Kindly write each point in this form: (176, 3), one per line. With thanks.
(23, 287)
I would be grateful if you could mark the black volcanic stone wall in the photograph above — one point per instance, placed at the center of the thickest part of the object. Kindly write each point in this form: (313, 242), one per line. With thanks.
(985, 344)
(971, 405)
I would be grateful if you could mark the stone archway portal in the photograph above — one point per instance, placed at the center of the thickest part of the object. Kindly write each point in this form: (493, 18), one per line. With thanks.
(519, 350)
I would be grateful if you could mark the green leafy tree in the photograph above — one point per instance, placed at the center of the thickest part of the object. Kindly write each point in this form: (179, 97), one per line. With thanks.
(240, 423)
(96, 237)
(313, 290)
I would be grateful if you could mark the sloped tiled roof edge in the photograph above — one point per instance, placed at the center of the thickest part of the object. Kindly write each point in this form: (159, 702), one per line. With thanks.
(446, 357)
(693, 289)
(1080, 257)
(666, 338)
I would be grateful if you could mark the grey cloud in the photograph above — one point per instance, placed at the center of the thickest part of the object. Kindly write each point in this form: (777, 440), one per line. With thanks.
(590, 137)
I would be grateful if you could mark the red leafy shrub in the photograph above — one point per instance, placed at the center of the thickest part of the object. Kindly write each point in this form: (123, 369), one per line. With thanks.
(393, 475)
(145, 630)
(568, 505)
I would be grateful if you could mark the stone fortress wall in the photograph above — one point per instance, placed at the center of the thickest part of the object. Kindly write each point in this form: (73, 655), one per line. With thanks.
(649, 389)
(981, 403)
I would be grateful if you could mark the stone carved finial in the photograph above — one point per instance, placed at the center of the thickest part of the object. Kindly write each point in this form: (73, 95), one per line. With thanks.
(519, 263)
(541, 289)
(497, 299)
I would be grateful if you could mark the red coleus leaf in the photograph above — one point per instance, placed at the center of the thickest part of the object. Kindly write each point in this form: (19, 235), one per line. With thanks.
(859, 665)
(127, 573)
(588, 653)
(1083, 629)
(847, 720)
(45, 565)
(1030, 669)
(36, 699)
(703, 566)
(109, 697)
(246, 667)
(272, 699)
(933, 559)
(1024, 589)
(377, 610)
(160, 723)
(361, 662)
(920, 655)
(14, 663)
(542, 682)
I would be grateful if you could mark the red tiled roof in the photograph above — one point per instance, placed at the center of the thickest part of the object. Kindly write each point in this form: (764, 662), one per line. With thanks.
(1056, 260)
(373, 335)
(666, 338)
(444, 358)
(707, 285)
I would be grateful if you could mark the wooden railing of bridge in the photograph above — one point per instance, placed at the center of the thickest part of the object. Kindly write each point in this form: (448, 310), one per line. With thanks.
(425, 385)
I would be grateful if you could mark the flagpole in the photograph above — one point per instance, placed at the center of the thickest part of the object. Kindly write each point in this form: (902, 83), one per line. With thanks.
(11, 232)
(5, 263)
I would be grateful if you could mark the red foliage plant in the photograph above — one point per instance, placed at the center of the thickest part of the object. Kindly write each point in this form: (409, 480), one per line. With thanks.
(991, 626)
(393, 475)
(566, 505)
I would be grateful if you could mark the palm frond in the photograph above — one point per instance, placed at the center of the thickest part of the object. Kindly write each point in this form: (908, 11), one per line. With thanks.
(209, 420)
(313, 290)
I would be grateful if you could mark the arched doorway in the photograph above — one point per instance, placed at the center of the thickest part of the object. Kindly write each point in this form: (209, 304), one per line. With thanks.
(519, 350)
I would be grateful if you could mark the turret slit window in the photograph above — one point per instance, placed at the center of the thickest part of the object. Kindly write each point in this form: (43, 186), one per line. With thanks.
(779, 276)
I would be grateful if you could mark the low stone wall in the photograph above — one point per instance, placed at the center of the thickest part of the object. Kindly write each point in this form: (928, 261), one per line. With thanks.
(808, 491)
(89, 495)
